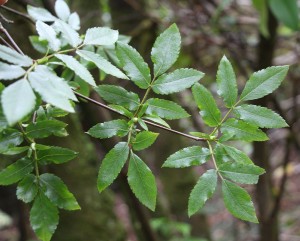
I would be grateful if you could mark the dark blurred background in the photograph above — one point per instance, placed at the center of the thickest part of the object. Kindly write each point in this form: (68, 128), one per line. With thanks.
(209, 29)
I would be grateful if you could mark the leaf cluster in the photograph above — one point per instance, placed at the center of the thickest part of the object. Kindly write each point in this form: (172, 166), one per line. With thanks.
(34, 96)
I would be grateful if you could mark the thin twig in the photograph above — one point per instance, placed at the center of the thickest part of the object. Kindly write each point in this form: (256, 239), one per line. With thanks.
(98, 103)
(2, 29)
(5, 42)
(5, 19)
(195, 138)
(18, 13)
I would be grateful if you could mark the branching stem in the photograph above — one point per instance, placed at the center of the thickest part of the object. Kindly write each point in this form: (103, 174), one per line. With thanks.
(17, 13)
(3, 30)
(36, 165)
(224, 118)
(214, 159)
(195, 138)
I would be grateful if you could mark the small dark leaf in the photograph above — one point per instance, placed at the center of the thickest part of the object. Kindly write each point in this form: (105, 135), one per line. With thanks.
(112, 164)
(225, 153)
(263, 82)
(134, 65)
(165, 109)
(10, 138)
(202, 191)
(143, 140)
(109, 129)
(57, 192)
(43, 217)
(55, 154)
(165, 50)
(27, 188)
(260, 116)
(142, 182)
(119, 96)
(176, 81)
(16, 171)
(226, 81)
(238, 202)
(241, 173)
(190, 156)
(45, 128)
(240, 130)
(208, 108)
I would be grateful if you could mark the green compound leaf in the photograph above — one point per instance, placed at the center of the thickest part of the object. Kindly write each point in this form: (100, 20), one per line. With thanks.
(287, 12)
(241, 173)
(225, 153)
(10, 72)
(157, 120)
(62, 10)
(119, 96)
(68, 33)
(57, 192)
(43, 217)
(240, 130)
(53, 90)
(134, 65)
(40, 14)
(143, 140)
(226, 81)
(18, 100)
(263, 82)
(102, 63)
(16, 171)
(78, 68)
(112, 164)
(27, 188)
(238, 202)
(165, 109)
(176, 81)
(208, 108)
(12, 56)
(260, 116)
(190, 156)
(44, 128)
(55, 154)
(10, 138)
(109, 129)
(202, 191)
(142, 182)
(47, 33)
(165, 50)
(101, 36)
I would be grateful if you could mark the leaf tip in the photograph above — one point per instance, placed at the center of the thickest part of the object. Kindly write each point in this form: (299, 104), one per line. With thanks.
(190, 213)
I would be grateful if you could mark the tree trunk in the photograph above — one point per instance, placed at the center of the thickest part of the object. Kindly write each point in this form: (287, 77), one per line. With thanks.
(265, 199)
